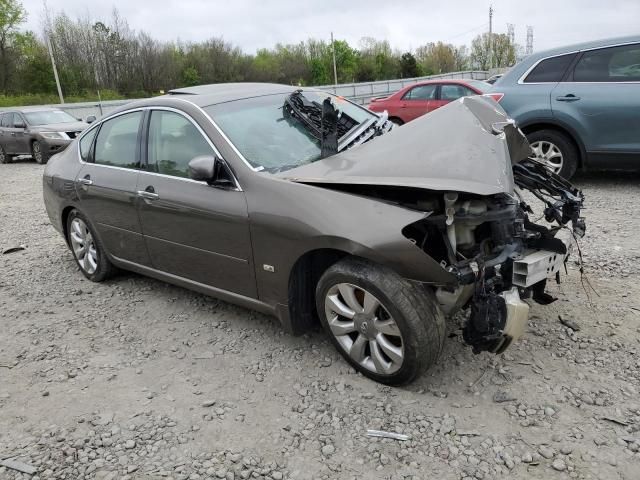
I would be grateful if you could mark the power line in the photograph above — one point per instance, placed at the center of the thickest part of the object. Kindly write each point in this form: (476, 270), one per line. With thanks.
(483, 26)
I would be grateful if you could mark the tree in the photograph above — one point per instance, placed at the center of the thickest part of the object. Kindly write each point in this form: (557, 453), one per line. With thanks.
(437, 57)
(408, 66)
(12, 15)
(495, 51)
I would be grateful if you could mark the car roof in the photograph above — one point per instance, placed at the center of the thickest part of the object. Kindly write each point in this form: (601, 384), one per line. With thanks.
(519, 69)
(30, 110)
(460, 81)
(205, 95)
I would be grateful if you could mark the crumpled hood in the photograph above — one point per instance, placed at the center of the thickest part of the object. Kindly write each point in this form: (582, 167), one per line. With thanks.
(453, 148)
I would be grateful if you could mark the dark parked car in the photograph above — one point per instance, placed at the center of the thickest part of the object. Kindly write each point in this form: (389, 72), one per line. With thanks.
(494, 78)
(415, 100)
(579, 105)
(39, 132)
(303, 205)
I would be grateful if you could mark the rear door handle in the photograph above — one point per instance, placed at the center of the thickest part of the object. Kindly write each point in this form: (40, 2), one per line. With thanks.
(86, 181)
(148, 195)
(568, 98)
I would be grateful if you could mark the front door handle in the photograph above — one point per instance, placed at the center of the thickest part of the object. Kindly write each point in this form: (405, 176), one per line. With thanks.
(148, 195)
(568, 98)
(85, 181)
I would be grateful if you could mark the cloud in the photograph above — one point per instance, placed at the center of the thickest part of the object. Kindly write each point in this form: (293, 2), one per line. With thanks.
(253, 24)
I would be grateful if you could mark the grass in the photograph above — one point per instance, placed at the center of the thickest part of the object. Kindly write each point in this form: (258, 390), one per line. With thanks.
(48, 99)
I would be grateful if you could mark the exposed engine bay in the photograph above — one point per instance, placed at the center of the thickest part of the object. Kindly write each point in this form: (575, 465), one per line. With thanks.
(497, 253)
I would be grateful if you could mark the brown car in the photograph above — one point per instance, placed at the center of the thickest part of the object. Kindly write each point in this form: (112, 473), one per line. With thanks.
(36, 131)
(308, 207)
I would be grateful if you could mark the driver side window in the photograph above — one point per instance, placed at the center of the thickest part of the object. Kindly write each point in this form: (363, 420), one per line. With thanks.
(173, 142)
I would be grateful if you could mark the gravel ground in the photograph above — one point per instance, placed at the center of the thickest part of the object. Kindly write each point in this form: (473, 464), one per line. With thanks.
(137, 379)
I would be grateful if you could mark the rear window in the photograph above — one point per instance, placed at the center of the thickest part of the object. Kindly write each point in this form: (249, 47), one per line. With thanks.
(615, 64)
(550, 70)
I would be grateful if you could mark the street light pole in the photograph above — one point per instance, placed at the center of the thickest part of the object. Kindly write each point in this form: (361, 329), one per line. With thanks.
(333, 52)
(490, 37)
(55, 70)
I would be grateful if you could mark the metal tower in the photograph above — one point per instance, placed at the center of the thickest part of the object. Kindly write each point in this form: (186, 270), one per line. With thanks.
(529, 49)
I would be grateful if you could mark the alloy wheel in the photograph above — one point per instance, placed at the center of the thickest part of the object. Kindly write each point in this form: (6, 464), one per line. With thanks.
(37, 152)
(547, 153)
(364, 328)
(3, 156)
(84, 247)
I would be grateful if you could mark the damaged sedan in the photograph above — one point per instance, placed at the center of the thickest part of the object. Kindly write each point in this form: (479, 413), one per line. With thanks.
(305, 206)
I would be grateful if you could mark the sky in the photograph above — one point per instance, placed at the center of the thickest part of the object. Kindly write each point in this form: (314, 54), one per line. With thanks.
(406, 24)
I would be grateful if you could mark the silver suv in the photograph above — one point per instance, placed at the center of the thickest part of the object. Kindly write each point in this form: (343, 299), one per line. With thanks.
(39, 132)
(579, 106)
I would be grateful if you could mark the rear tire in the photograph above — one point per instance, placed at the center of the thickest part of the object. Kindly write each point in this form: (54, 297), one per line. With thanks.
(546, 140)
(87, 248)
(4, 156)
(38, 153)
(390, 343)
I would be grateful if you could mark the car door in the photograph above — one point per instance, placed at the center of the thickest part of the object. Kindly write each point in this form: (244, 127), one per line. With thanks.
(417, 101)
(600, 100)
(449, 92)
(20, 137)
(192, 230)
(11, 134)
(4, 135)
(106, 184)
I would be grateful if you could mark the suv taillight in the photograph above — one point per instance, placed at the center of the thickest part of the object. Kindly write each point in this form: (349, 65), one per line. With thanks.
(496, 96)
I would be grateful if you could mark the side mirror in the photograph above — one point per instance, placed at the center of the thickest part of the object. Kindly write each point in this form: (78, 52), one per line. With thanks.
(91, 119)
(19, 125)
(210, 169)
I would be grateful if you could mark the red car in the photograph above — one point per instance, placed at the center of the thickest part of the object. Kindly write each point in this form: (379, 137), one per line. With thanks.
(420, 98)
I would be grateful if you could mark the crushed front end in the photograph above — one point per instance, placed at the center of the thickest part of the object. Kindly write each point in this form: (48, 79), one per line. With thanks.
(497, 254)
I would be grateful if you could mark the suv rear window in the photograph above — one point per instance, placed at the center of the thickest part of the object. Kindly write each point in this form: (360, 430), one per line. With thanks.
(615, 64)
(550, 70)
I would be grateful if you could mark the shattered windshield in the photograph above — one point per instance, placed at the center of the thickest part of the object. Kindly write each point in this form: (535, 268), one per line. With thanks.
(271, 138)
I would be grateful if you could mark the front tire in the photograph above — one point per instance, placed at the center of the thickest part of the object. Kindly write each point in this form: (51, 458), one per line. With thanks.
(87, 248)
(38, 153)
(387, 328)
(555, 150)
(4, 157)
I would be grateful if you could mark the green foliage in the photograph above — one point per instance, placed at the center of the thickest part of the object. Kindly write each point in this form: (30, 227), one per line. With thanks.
(190, 77)
(495, 51)
(408, 66)
(106, 55)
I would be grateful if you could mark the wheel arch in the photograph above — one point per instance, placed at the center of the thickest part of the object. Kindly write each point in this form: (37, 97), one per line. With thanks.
(303, 279)
(535, 126)
(64, 216)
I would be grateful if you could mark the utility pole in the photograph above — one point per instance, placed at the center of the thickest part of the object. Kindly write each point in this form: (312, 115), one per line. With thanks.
(333, 52)
(55, 70)
(490, 36)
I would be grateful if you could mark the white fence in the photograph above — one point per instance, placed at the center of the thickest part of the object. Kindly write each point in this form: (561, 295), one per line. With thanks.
(360, 93)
